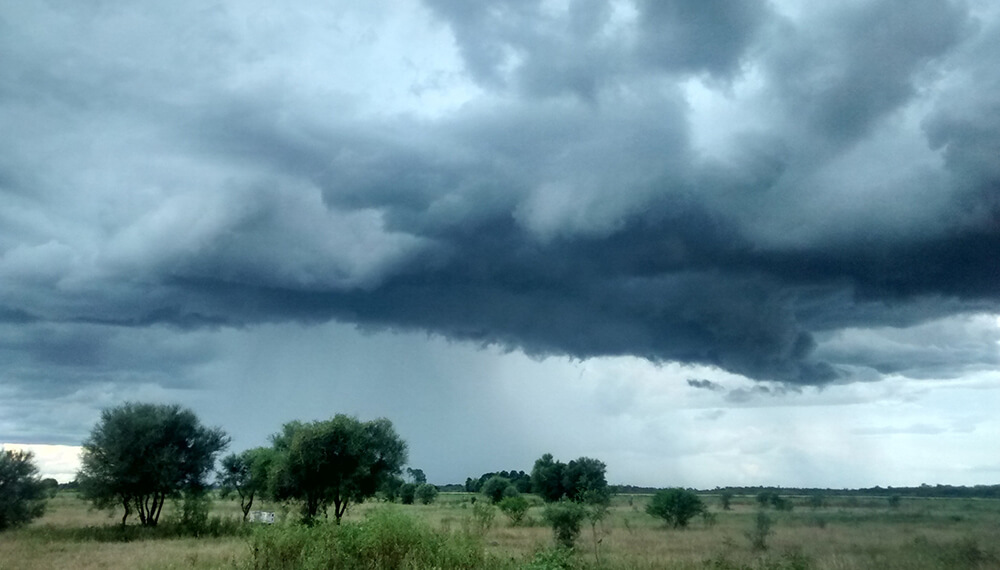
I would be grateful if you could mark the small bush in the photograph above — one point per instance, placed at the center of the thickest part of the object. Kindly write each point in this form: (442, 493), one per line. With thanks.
(386, 540)
(565, 517)
(757, 535)
(482, 517)
(407, 493)
(495, 487)
(675, 506)
(426, 493)
(515, 508)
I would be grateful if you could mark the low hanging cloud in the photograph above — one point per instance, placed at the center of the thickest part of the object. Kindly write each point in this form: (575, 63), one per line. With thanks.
(556, 178)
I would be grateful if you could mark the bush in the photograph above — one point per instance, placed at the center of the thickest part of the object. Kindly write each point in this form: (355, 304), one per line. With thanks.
(22, 494)
(565, 517)
(407, 493)
(426, 493)
(385, 540)
(494, 488)
(515, 508)
(675, 506)
(757, 535)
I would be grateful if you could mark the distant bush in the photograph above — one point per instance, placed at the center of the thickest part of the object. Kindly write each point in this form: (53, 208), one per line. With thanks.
(725, 500)
(761, 529)
(494, 488)
(515, 508)
(675, 506)
(426, 493)
(407, 493)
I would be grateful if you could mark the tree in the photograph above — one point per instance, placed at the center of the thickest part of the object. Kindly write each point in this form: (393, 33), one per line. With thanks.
(138, 455)
(338, 461)
(584, 478)
(246, 475)
(494, 488)
(425, 493)
(547, 478)
(417, 475)
(22, 493)
(675, 506)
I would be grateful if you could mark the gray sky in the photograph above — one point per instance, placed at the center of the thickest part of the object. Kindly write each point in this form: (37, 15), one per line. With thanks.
(707, 242)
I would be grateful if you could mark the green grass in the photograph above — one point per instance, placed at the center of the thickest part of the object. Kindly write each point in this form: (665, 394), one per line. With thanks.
(842, 535)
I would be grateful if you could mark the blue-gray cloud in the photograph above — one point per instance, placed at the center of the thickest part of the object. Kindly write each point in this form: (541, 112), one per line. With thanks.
(194, 168)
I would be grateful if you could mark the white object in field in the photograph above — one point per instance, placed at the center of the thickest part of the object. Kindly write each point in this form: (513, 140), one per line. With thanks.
(262, 517)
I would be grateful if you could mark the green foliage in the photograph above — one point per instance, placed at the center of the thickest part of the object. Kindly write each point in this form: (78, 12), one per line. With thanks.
(416, 475)
(482, 517)
(426, 493)
(138, 455)
(494, 488)
(565, 517)
(552, 480)
(246, 475)
(725, 500)
(515, 508)
(894, 501)
(817, 500)
(391, 488)
(408, 493)
(675, 506)
(558, 558)
(22, 494)
(547, 478)
(584, 477)
(761, 529)
(338, 461)
(386, 540)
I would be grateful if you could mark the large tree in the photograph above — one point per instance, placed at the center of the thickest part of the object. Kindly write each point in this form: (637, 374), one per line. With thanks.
(246, 476)
(337, 461)
(139, 454)
(22, 493)
(584, 480)
(547, 478)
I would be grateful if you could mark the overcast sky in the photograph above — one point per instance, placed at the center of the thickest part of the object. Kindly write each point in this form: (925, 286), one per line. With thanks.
(708, 242)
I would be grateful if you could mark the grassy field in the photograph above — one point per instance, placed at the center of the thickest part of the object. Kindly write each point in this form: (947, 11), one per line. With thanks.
(845, 533)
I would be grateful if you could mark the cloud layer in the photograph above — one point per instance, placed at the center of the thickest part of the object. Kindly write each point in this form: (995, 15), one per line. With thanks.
(753, 188)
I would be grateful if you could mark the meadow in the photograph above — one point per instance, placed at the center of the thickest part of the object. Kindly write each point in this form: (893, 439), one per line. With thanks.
(842, 533)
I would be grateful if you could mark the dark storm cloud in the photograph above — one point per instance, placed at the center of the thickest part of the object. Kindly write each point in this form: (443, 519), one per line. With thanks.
(212, 186)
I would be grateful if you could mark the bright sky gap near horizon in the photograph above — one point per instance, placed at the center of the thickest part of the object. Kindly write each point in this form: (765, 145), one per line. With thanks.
(709, 243)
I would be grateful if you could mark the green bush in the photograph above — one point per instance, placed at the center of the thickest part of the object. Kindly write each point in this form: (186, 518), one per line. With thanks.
(22, 494)
(407, 493)
(426, 493)
(515, 508)
(761, 529)
(494, 488)
(675, 506)
(386, 540)
(565, 517)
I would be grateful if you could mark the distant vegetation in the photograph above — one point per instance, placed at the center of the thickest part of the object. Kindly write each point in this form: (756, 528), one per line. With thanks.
(384, 516)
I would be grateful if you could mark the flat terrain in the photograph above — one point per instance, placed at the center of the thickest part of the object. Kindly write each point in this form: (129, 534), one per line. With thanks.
(844, 533)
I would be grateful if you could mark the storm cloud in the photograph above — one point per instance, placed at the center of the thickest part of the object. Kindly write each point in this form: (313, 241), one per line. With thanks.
(753, 188)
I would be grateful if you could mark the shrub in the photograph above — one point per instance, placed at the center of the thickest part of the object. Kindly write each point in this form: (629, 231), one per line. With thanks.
(515, 508)
(426, 493)
(565, 517)
(22, 494)
(757, 535)
(385, 540)
(725, 499)
(675, 506)
(407, 493)
(482, 517)
(494, 488)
